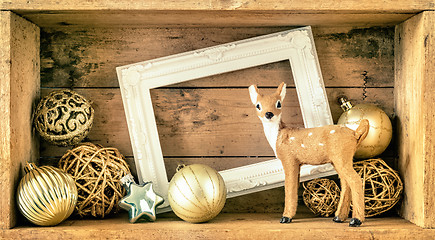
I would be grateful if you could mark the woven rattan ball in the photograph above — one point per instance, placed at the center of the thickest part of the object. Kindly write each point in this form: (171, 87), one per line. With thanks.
(97, 172)
(321, 196)
(63, 117)
(382, 186)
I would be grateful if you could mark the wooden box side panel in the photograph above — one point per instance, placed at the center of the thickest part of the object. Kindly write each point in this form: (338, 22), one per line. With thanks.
(240, 5)
(6, 220)
(414, 97)
(19, 88)
(429, 99)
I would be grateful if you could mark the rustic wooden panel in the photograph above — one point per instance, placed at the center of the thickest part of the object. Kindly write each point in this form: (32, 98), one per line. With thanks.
(414, 98)
(235, 5)
(225, 226)
(205, 122)
(19, 88)
(7, 218)
(88, 57)
(139, 19)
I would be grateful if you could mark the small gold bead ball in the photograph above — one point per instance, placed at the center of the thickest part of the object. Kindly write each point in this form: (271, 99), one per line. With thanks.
(321, 196)
(197, 193)
(63, 118)
(380, 131)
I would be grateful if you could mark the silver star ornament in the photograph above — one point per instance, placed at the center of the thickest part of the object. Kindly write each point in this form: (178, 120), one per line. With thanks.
(140, 201)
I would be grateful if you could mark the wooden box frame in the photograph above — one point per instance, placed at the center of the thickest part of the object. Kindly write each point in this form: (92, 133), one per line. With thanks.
(136, 81)
(414, 93)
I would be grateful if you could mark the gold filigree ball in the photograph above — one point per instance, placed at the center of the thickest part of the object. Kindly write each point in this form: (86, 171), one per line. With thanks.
(321, 196)
(63, 117)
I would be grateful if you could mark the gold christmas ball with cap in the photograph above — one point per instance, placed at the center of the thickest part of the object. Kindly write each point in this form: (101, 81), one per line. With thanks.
(197, 193)
(46, 195)
(380, 132)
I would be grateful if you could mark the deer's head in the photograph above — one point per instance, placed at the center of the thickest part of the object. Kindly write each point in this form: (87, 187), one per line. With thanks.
(268, 107)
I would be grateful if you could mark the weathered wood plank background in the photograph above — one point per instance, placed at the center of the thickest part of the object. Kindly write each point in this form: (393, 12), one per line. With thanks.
(209, 120)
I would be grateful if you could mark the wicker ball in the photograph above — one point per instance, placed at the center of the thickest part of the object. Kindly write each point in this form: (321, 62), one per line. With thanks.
(382, 186)
(97, 172)
(321, 196)
(63, 117)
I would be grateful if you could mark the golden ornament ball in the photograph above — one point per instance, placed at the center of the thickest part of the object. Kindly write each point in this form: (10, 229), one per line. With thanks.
(46, 195)
(197, 193)
(63, 118)
(380, 132)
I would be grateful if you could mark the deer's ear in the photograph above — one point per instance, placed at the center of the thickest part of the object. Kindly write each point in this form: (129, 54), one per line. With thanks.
(281, 90)
(253, 93)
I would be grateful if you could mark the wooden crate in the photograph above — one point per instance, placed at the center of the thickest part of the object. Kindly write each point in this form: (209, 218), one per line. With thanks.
(373, 52)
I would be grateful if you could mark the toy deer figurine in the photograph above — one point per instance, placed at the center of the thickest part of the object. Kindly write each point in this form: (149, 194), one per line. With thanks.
(296, 146)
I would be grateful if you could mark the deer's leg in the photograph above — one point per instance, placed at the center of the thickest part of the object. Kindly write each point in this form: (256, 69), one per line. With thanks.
(348, 174)
(291, 191)
(344, 203)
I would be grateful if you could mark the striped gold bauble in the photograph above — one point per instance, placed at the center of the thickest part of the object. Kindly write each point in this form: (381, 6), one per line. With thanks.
(197, 193)
(46, 195)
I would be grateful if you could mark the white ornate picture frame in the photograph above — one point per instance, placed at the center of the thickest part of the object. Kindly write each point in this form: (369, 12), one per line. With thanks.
(137, 79)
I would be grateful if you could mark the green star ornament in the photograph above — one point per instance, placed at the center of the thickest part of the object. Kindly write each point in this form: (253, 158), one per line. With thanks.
(140, 201)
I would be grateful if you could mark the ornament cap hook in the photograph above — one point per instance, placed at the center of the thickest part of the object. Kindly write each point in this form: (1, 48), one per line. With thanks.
(127, 180)
(29, 167)
(179, 167)
(345, 104)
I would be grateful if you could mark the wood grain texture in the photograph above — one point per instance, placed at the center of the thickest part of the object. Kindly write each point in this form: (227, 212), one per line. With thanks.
(414, 98)
(225, 226)
(206, 18)
(19, 89)
(235, 5)
(204, 122)
(349, 57)
(7, 217)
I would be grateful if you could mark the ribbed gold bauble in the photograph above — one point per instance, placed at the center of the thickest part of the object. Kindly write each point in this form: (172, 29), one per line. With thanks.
(197, 193)
(380, 132)
(46, 195)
